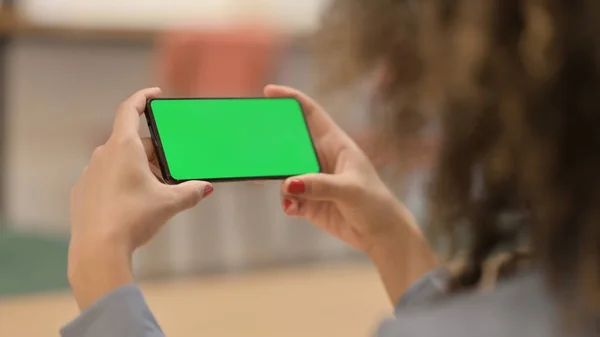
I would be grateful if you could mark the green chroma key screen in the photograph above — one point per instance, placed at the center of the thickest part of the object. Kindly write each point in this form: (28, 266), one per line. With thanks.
(233, 138)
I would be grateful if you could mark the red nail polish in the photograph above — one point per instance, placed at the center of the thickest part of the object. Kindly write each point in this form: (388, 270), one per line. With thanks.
(296, 187)
(286, 204)
(208, 190)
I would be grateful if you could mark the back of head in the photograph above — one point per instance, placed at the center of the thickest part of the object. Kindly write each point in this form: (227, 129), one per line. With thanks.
(515, 86)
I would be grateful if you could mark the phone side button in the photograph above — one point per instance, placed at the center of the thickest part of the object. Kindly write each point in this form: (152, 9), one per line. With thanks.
(153, 137)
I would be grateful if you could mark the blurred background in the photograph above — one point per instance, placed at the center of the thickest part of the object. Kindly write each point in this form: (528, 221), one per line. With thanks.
(65, 65)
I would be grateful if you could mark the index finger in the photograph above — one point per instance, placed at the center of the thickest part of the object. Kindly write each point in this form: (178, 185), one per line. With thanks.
(127, 120)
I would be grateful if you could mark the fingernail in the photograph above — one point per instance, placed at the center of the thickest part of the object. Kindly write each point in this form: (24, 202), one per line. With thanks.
(290, 207)
(296, 187)
(208, 190)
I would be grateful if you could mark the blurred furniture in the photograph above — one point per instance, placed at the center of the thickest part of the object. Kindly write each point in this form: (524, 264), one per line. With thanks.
(232, 62)
(322, 300)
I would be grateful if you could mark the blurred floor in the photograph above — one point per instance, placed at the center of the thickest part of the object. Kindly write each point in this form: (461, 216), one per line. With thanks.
(323, 300)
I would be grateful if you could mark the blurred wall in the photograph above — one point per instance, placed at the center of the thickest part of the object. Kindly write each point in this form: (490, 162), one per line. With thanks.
(62, 94)
(287, 14)
(62, 97)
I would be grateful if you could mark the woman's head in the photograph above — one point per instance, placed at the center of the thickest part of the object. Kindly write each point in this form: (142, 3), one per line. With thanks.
(515, 87)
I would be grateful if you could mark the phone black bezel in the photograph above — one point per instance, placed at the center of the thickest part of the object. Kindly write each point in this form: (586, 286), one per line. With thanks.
(160, 155)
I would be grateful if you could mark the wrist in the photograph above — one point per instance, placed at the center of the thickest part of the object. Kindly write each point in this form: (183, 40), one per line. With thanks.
(401, 253)
(396, 225)
(96, 270)
(399, 237)
(401, 233)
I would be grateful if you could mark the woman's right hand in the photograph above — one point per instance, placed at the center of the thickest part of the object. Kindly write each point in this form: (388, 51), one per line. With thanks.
(347, 200)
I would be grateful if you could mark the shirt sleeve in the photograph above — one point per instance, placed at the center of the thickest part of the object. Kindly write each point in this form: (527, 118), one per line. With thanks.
(429, 288)
(123, 312)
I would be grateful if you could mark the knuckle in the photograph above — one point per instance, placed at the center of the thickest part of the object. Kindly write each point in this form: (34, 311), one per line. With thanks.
(123, 141)
(83, 173)
(194, 199)
(123, 106)
(171, 202)
(320, 188)
(97, 151)
(349, 188)
(74, 193)
(317, 188)
(353, 188)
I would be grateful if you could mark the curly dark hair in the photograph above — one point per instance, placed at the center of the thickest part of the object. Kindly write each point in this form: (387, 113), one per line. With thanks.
(515, 87)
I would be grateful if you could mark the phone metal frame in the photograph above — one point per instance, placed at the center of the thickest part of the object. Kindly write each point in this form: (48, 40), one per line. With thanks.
(160, 154)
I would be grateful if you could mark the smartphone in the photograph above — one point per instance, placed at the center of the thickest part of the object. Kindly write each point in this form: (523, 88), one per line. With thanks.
(228, 139)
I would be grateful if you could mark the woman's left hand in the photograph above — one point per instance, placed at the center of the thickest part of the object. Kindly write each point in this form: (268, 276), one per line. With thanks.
(118, 205)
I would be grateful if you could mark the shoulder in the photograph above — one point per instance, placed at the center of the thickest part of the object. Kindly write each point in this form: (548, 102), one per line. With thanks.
(429, 288)
(521, 306)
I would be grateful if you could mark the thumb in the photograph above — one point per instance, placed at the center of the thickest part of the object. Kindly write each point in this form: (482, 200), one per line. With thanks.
(188, 194)
(318, 186)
